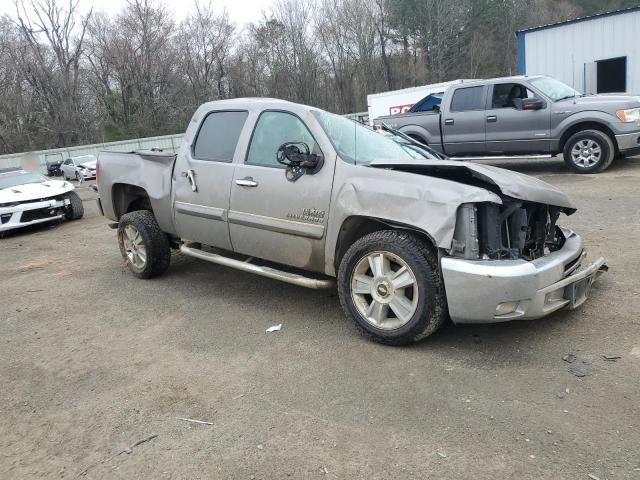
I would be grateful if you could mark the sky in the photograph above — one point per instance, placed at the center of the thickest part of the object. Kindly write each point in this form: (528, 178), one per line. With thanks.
(240, 11)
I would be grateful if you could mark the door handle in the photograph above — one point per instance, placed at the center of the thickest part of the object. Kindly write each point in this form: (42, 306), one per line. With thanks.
(492, 119)
(191, 176)
(247, 182)
(449, 121)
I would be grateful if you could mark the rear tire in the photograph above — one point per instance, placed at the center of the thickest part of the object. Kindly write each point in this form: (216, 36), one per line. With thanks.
(143, 245)
(403, 301)
(589, 151)
(75, 210)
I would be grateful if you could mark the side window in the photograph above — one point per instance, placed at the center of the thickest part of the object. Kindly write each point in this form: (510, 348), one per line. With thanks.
(467, 99)
(218, 136)
(429, 103)
(272, 130)
(67, 161)
(505, 93)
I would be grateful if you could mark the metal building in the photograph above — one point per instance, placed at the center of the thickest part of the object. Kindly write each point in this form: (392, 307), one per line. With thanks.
(597, 54)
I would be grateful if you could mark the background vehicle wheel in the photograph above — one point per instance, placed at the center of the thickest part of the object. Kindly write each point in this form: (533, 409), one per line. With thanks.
(77, 177)
(589, 151)
(390, 285)
(143, 245)
(75, 210)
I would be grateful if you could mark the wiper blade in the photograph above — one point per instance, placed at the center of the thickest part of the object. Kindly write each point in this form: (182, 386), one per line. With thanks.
(567, 97)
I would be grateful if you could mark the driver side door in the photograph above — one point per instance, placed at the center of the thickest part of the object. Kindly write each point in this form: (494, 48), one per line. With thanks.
(271, 217)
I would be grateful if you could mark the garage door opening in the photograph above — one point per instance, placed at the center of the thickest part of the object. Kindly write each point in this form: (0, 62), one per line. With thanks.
(612, 75)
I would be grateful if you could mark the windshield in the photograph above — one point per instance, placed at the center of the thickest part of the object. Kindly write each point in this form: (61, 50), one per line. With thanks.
(554, 89)
(359, 144)
(21, 177)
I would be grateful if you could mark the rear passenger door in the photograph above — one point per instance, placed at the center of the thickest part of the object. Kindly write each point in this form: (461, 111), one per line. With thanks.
(463, 123)
(202, 179)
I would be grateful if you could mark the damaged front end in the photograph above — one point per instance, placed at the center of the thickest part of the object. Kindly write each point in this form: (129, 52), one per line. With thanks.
(513, 262)
(513, 230)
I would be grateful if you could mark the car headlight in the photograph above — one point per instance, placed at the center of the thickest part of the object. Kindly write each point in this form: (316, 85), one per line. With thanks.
(629, 116)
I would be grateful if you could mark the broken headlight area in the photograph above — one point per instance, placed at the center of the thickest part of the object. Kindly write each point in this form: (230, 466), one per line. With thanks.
(509, 231)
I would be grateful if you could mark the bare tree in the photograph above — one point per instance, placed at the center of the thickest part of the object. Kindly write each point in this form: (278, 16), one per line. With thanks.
(204, 41)
(54, 36)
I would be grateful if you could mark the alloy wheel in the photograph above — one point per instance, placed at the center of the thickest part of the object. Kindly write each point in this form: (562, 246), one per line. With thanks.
(586, 153)
(134, 247)
(384, 290)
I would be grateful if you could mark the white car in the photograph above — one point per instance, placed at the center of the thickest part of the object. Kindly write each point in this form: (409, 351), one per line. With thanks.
(79, 168)
(28, 198)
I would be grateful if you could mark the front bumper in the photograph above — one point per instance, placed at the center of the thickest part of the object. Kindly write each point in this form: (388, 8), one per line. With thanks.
(503, 290)
(628, 142)
(25, 214)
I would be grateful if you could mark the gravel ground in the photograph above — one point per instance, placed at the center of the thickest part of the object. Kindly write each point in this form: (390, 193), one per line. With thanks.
(93, 360)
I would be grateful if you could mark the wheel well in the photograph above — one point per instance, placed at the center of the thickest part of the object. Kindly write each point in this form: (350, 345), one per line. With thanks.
(356, 227)
(417, 138)
(587, 126)
(129, 198)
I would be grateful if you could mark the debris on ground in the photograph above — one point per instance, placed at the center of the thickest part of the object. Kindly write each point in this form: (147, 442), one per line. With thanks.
(324, 470)
(130, 448)
(195, 421)
(441, 454)
(275, 328)
(593, 477)
(612, 357)
(569, 358)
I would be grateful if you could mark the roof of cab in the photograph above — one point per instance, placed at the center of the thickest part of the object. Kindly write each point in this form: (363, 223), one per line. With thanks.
(247, 102)
(514, 78)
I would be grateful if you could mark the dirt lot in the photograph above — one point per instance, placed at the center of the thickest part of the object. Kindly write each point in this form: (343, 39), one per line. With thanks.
(93, 360)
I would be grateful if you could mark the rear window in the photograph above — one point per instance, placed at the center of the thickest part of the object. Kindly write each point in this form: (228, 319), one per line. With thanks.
(465, 99)
(218, 136)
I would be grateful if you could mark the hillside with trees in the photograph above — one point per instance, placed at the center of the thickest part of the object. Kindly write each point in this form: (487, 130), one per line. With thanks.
(70, 79)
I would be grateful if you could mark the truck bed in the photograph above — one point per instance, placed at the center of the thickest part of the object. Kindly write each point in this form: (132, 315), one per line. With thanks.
(149, 170)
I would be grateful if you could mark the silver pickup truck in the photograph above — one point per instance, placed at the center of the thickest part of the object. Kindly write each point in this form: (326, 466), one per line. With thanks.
(526, 117)
(300, 195)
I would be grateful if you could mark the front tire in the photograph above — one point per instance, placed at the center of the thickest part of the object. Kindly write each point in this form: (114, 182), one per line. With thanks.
(143, 245)
(75, 210)
(589, 151)
(390, 286)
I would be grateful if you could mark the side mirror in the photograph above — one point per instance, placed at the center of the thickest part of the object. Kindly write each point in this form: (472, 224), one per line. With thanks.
(298, 159)
(528, 104)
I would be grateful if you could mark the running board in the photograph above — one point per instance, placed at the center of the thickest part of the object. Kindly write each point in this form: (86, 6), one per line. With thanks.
(505, 157)
(269, 272)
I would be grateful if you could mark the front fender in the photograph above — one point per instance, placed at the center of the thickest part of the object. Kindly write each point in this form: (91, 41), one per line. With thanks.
(591, 116)
(429, 204)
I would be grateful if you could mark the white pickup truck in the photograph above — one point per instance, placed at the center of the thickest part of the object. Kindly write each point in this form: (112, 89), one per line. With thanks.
(297, 194)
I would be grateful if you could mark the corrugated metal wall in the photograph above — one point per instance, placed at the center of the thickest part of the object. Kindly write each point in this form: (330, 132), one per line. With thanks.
(38, 159)
(562, 51)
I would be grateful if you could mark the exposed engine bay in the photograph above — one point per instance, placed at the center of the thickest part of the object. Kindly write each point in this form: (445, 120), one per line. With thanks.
(510, 231)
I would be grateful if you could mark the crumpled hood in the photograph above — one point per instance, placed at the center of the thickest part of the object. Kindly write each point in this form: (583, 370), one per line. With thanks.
(512, 184)
(34, 191)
